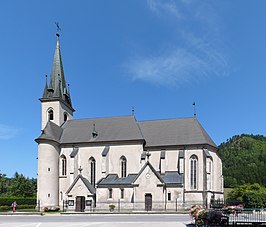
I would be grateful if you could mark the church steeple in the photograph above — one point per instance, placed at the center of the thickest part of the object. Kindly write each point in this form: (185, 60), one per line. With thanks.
(56, 101)
(57, 88)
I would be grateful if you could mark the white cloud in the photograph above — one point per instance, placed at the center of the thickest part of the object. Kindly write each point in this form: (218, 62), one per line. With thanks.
(198, 52)
(161, 7)
(7, 132)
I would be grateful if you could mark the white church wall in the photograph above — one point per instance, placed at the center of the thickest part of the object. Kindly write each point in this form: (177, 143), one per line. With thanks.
(59, 109)
(131, 152)
(171, 157)
(104, 200)
(148, 183)
(175, 202)
(67, 180)
(200, 170)
(48, 184)
(217, 173)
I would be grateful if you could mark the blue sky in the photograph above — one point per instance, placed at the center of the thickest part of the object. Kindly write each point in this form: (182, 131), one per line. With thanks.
(156, 55)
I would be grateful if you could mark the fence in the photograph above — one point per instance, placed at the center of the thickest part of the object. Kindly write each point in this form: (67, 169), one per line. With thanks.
(122, 206)
(247, 216)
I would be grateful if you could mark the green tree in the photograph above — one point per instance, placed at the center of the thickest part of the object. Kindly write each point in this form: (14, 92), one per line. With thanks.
(244, 160)
(251, 195)
(21, 186)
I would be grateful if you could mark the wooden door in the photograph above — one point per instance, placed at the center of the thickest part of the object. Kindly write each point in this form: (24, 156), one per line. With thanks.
(80, 203)
(148, 202)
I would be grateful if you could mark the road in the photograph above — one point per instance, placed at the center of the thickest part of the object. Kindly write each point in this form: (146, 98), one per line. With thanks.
(152, 220)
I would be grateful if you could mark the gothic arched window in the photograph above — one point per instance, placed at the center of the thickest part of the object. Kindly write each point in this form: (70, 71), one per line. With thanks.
(63, 165)
(193, 171)
(123, 164)
(50, 115)
(65, 117)
(92, 166)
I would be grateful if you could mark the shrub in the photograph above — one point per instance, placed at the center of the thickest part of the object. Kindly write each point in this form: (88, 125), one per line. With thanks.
(111, 207)
(7, 201)
(251, 195)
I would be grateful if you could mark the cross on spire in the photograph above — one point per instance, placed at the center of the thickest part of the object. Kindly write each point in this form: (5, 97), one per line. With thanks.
(148, 154)
(58, 29)
(80, 169)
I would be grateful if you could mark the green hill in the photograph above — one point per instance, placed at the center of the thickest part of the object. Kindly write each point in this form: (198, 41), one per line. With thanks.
(244, 160)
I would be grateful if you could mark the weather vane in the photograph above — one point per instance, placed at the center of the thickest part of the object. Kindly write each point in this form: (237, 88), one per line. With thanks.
(58, 29)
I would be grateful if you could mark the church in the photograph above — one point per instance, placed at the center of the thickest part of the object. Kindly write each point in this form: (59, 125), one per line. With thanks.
(118, 162)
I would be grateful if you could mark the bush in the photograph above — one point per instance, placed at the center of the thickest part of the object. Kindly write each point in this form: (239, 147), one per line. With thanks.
(49, 209)
(19, 207)
(214, 217)
(5, 208)
(111, 207)
(251, 195)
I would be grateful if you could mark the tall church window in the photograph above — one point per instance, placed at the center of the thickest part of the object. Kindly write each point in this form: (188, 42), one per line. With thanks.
(123, 163)
(63, 165)
(209, 173)
(92, 166)
(193, 172)
(50, 115)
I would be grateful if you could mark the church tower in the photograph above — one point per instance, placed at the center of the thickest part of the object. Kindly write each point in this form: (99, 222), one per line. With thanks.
(56, 101)
(56, 110)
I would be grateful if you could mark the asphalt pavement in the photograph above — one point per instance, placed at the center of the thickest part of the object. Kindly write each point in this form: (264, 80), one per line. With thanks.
(126, 220)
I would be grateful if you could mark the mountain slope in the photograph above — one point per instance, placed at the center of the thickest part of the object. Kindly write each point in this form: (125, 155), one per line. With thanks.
(244, 160)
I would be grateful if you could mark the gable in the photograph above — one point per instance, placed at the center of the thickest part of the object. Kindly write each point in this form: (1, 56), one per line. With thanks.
(81, 186)
(148, 176)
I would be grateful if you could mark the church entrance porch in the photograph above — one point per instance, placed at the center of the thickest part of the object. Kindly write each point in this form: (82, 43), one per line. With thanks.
(80, 204)
(148, 202)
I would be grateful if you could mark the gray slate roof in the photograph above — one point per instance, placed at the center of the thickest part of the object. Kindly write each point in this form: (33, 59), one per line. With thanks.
(108, 129)
(155, 133)
(168, 178)
(178, 131)
(51, 132)
(172, 178)
(113, 179)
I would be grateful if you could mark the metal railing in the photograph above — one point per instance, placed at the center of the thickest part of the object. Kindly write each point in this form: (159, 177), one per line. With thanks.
(122, 206)
(247, 216)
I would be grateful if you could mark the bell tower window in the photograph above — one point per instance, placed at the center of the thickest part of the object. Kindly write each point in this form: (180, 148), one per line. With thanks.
(65, 117)
(50, 115)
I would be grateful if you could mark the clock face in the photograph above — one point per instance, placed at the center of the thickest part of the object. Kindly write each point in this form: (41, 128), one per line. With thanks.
(148, 175)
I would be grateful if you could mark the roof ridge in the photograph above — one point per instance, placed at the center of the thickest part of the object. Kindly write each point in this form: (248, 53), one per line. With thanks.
(167, 119)
(83, 119)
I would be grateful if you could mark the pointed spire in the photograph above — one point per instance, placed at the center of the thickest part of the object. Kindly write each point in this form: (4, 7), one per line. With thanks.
(57, 85)
(45, 91)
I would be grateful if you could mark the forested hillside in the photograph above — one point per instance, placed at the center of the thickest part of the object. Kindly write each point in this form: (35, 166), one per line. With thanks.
(244, 160)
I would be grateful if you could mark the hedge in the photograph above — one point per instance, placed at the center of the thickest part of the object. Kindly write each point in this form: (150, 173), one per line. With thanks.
(19, 207)
(7, 201)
